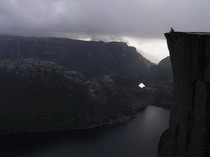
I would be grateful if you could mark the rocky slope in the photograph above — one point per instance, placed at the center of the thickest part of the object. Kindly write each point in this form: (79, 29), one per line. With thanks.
(41, 96)
(189, 131)
(88, 57)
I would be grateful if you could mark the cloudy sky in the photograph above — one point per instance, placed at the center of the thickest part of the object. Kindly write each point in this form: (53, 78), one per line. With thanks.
(140, 23)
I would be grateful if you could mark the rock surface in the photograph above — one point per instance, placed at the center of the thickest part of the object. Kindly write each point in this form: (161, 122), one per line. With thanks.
(189, 131)
(43, 96)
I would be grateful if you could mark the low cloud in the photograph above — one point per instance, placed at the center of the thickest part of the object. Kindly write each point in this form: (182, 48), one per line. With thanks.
(137, 18)
(106, 20)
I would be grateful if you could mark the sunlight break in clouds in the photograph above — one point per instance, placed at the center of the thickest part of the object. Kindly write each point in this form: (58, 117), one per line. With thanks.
(153, 49)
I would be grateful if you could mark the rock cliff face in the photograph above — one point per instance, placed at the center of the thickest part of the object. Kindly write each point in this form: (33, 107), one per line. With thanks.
(189, 130)
(43, 96)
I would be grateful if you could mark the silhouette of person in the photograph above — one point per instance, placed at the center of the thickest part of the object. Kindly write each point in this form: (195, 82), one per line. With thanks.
(172, 30)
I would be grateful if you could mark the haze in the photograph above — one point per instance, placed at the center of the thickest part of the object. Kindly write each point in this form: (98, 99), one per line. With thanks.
(141, 23)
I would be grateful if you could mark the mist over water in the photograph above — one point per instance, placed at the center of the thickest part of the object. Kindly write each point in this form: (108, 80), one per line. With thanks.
(137, 138)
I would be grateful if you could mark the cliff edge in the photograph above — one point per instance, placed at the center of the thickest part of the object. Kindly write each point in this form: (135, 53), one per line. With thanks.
(189, 128)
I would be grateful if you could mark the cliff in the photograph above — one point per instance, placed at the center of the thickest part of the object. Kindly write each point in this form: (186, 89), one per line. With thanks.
(43, 96)
(189, 128)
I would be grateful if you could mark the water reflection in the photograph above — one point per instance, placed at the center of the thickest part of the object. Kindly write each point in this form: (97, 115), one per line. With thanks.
(137, 138)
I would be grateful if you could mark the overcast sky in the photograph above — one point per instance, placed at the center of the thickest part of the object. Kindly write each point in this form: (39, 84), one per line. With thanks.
(140, 22)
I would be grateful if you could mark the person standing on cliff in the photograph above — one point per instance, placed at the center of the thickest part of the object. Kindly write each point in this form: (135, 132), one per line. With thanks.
(172, 30)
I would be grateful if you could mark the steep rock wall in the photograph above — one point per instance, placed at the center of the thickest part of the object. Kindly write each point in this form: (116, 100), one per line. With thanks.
(188, 134)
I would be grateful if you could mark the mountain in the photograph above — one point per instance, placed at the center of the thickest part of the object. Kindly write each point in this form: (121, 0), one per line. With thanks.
(161, 72)
(56, 83)
(160, 79)
(43, 96)
(88, 57)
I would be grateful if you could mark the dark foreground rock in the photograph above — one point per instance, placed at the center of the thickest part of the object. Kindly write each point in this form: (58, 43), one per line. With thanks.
(43, 96)
(189, 131)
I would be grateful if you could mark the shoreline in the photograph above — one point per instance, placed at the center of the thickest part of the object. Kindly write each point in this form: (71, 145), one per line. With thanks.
(120, 121)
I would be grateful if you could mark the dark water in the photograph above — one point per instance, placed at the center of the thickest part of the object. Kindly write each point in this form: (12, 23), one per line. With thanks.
(137, 138)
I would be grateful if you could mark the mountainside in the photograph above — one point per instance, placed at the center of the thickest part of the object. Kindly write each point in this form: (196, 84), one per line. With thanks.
(160, 79)
(88, 57)
(43, 96)
(54, 83)
(161, 73)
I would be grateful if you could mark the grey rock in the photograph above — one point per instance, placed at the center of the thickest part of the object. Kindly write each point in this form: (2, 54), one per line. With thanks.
(189, 130)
